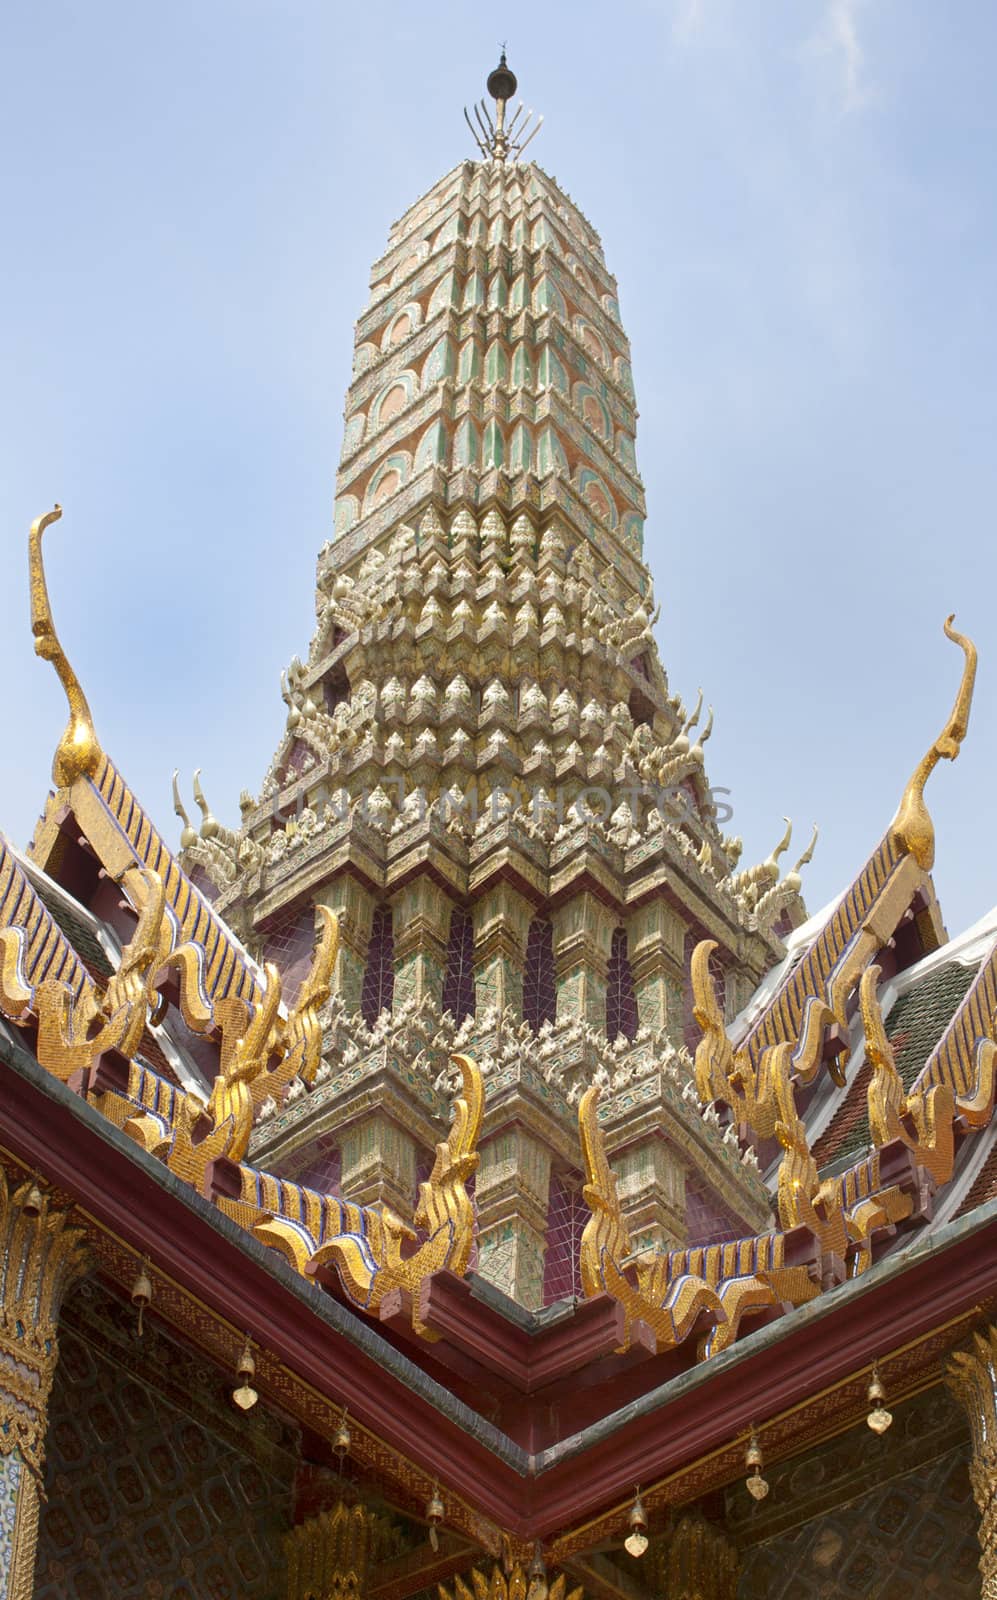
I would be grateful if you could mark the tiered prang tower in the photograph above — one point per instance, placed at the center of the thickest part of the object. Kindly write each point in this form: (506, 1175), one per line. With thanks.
(302, 1292)
(484, 772)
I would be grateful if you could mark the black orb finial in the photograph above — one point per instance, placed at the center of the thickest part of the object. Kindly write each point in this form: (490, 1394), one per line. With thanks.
(501, 83)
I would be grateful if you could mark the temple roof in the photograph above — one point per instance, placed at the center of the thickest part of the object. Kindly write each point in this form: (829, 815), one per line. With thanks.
(546, 1119)
(223, 1026)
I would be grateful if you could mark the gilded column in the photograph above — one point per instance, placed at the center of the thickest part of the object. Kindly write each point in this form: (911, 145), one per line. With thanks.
(501, 927)
(651, 1186)
(421, 914)
(583, 937)
(354, 906)
(512, 1191)
(655, 939)
(379, 1163)
(42, 1256)
(972, 1377)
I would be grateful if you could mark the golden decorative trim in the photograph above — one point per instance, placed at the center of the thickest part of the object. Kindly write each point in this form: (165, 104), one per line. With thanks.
(76, 1024)
(923, 1122)
(364, 1245)
(841, 1212)
(762, 1097)
(514, 1586)
(673, 1308)
(965, 1057)
(243, 1061)
(259, 1054)
(328, 1555)
(674, 1291)
(866, 916)
(301, 1035)
(24, 1540)
(33, 951)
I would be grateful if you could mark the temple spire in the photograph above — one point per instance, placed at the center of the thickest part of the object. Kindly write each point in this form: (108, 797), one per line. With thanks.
(502, 137)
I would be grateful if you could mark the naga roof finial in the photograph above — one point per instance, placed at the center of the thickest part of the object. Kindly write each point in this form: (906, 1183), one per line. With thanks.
(498, 139)
(771, 863)
(692, 722)
(808, 853)
(78, 751)
(209, 825)
(912, 827)
(188, 833)
(792, 881)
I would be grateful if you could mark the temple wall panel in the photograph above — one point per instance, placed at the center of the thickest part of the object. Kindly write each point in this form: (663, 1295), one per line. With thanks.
(156, 1485)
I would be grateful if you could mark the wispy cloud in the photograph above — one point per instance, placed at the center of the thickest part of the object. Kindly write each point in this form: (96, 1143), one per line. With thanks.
(688, 18)
(839, 40)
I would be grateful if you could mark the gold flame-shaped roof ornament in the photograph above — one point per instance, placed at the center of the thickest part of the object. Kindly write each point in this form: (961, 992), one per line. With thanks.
(78, 752)
(502, 137)
(912, 827)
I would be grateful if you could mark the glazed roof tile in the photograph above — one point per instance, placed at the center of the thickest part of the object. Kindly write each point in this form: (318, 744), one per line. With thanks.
(914, 1027)
(227, 969)
(79, 926)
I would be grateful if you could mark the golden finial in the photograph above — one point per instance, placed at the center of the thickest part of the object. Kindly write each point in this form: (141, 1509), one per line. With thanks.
(691, 722)
(912, 828)
(78, 751)
(808, 853)
(188, 833)
(497, 139)
(771, 864)
(793, 880)
(209, 824)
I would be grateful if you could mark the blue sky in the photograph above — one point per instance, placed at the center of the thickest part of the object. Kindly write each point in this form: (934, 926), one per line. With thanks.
(797, 198)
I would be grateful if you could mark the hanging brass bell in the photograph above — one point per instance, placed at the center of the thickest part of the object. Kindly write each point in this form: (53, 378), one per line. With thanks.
(878, 1419)
(636, 1540)
(754, 1461)
(435, 1513)
(245, 1396)
(142, 1293)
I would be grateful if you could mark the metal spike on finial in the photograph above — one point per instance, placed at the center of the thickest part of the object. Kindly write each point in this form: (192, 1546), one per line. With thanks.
(497, 138)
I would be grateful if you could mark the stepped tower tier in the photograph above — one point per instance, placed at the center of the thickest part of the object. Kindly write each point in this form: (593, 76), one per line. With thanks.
(491, 355)
(484, 771)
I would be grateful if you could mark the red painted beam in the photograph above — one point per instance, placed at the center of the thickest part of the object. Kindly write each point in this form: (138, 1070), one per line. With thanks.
(530, 1361)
